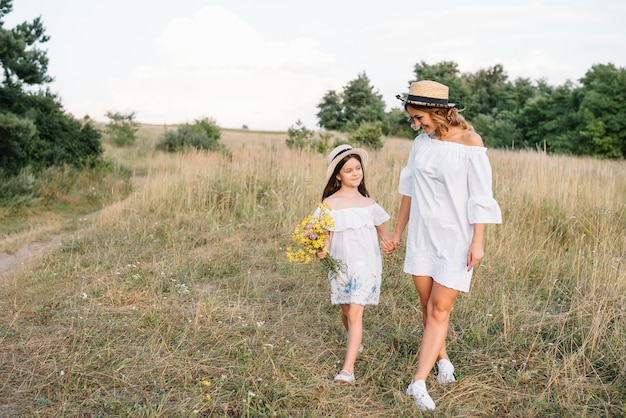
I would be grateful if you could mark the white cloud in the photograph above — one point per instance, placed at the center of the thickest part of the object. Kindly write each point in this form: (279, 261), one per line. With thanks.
(214, 64)
(532, 40)
(265, 66)
(536, 63)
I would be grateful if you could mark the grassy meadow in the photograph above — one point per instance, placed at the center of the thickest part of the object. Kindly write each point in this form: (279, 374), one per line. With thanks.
(176, 298)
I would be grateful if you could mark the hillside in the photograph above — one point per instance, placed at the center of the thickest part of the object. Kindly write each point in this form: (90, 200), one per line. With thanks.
(175, 297)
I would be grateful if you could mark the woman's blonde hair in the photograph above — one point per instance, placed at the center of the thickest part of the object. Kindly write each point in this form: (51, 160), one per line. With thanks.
(444, 117)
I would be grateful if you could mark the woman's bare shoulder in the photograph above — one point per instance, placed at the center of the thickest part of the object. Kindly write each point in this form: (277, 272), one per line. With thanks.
(471, 139)
(464, 137)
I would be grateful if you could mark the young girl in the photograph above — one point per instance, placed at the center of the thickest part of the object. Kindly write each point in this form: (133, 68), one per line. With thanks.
(358, 219)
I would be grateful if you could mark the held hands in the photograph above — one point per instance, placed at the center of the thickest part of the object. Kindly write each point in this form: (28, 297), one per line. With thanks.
(390, 243)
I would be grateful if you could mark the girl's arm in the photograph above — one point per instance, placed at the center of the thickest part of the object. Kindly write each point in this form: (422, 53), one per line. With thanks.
(386, 240)
(383, 233)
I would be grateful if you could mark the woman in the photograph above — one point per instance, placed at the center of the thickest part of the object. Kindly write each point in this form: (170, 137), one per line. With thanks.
(447, 200)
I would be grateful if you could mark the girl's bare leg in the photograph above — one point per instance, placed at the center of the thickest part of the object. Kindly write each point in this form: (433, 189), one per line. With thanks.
(352, 317)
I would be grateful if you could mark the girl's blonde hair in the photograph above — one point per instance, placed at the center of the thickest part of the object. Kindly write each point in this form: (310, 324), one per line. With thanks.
(444, 117)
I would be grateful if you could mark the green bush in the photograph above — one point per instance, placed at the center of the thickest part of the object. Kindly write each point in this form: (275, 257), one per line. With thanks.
(299, 137)
(323, 142)
(210, 128)
(17, 190)
(121, 128)
(15, 133)
(368, 135)
(203, 134)
(58, 138)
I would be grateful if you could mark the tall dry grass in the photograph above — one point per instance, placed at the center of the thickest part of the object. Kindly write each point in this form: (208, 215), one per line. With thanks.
(179, 301)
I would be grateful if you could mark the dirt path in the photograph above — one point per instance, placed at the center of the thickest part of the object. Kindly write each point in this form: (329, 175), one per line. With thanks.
(25, 249)
(29, 254)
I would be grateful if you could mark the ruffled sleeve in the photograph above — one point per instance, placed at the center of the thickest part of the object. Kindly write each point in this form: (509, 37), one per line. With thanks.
(379, 215)
(482, 207)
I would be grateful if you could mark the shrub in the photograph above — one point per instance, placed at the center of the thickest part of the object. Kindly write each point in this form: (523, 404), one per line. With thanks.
(203, 134)
(210, 128)
(299, 136)
(367, 134)
(121, 129)
(323, 142)
(15, 133)
(40, 134)
(17, 190)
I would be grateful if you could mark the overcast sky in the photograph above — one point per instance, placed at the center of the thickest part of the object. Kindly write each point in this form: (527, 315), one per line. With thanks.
(268, 63)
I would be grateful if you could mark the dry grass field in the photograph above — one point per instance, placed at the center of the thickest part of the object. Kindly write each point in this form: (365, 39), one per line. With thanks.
(177, 300)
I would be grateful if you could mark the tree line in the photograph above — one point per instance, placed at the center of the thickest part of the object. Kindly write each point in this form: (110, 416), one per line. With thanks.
(584, 118)
(35, 130)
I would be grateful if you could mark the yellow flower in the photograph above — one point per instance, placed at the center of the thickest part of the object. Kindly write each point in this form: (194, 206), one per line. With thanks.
(310, 238)
(206, 382)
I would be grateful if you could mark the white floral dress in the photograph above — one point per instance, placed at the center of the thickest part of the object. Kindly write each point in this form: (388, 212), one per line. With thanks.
(450, 189)
(354, 241)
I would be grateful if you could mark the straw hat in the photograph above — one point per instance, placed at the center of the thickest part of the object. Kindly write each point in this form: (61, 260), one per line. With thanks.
(337, 155)
(428, 93)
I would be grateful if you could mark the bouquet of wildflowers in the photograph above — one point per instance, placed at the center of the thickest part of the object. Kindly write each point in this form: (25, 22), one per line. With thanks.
(310, 238)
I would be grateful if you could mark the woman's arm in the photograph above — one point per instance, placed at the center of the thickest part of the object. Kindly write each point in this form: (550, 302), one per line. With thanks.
(403, 219)
(476, 251)
(391, 242)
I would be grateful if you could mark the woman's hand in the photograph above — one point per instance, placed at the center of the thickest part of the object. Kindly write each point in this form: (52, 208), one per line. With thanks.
(321, 254)
(390, 243)
(395, 239)
(475, 254)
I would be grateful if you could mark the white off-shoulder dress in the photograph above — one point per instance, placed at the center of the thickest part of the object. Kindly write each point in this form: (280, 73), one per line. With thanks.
(355, 242)
(450, 186)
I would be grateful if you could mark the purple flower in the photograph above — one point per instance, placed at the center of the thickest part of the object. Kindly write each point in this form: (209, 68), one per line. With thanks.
(309, 226)
(313, 236)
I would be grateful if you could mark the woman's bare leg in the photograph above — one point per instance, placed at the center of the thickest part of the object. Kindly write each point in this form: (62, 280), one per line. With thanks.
(438, 308)
(424, 285)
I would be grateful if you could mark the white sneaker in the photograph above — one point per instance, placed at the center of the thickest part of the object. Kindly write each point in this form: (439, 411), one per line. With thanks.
(344, 376)
(445, 371)
(422, 399)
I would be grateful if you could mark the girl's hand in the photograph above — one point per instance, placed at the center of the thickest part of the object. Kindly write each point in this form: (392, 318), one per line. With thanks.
(321, 254)
(386, 241)
(390, 243)
(388, 246)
